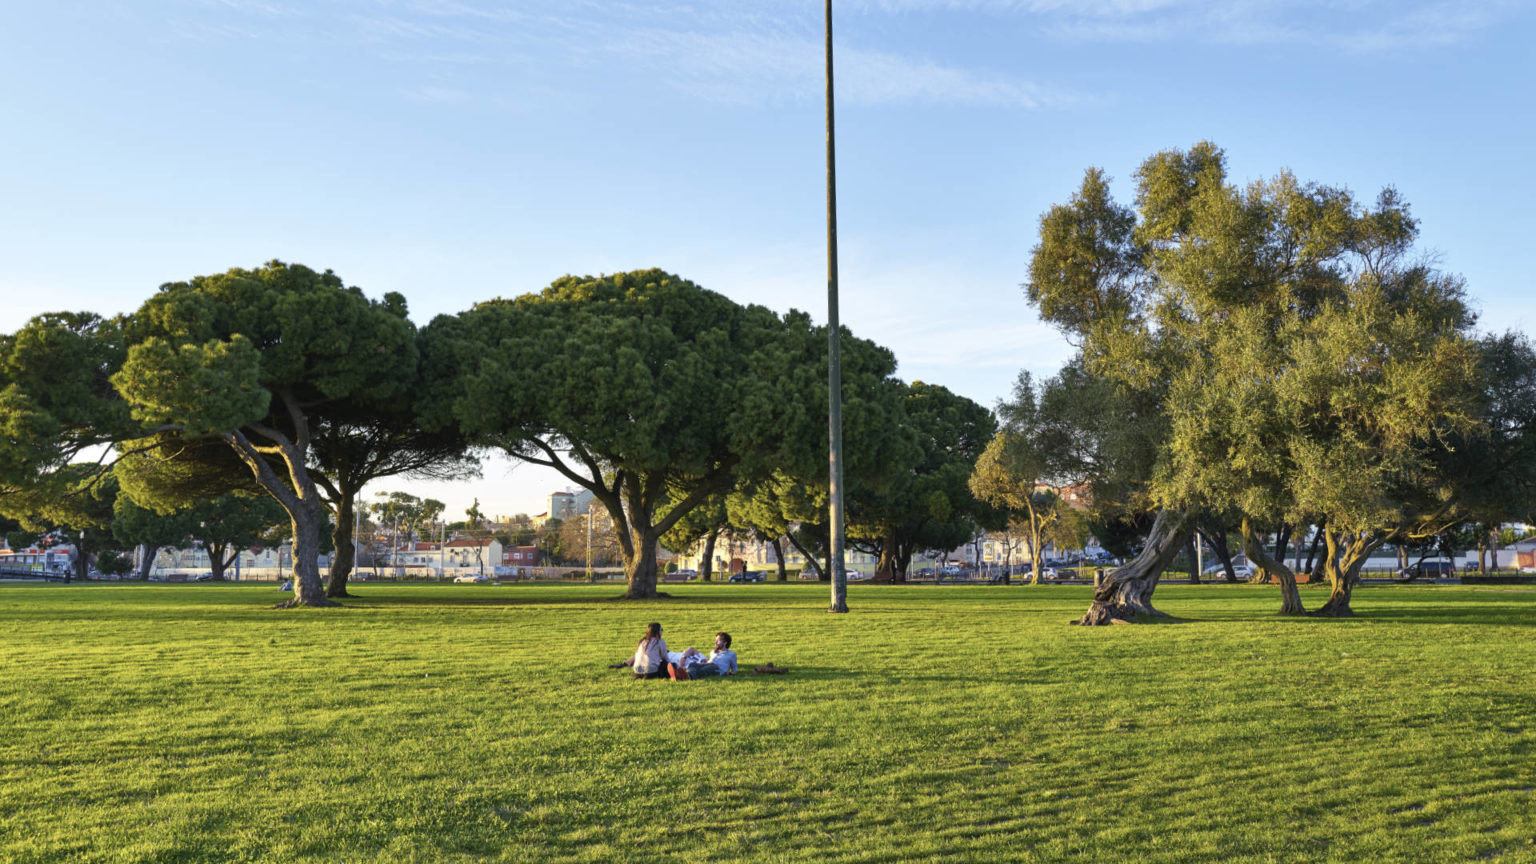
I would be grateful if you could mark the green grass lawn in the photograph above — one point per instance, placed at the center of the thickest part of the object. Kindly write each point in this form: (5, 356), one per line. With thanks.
(962, 723)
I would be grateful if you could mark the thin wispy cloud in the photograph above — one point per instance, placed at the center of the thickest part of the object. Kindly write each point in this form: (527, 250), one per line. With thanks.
(751, 67)
(880, 78)
(1354, 25)
(770, 52)
(734, 53)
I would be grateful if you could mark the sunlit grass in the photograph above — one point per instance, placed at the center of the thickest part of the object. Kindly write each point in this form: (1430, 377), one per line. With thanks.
(963, 723)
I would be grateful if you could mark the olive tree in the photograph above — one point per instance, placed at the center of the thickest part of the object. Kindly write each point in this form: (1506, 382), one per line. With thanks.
(1304, 364)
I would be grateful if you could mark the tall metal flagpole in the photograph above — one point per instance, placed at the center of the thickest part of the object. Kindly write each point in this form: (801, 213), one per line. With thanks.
(834, 361)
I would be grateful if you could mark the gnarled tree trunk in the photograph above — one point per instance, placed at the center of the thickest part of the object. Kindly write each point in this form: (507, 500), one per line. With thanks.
(1126, 594)
(889, 562)
(216, 560)
(147, 562)
(1314, 566)
(1282, 540)
(344, 558)
(778, 556)
(297, 495)
(707, 563)
(640, 568)
(1290, 598)
(1034, 535)
(805, 553)
(308, 588)
(1218, 540)
(1343, 568)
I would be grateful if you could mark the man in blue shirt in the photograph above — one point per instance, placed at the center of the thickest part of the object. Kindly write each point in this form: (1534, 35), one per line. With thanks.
(722, 660)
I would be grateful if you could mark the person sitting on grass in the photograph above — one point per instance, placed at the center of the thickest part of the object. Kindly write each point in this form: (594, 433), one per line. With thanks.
(692, 664)
(650, 660)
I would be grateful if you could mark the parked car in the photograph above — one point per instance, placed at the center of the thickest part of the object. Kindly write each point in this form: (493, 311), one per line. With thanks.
(1241, 569)
(474, 577)
(748, 577)
(1428, 570)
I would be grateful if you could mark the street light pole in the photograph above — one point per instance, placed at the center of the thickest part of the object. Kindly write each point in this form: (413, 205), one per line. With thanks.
(589, 544)
(357, 526)
(834, 361)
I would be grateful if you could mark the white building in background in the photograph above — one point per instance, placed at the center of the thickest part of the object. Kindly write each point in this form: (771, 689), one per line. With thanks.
(754, 555)
(1003, 549)
(250, 563)
(415, 555)
(568, 504)
(39, 559)
(471, 553)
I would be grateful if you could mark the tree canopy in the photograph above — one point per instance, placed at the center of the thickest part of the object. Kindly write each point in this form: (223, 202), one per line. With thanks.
(919, 498)
(254, 360)
(1304, 363)
(641, 387)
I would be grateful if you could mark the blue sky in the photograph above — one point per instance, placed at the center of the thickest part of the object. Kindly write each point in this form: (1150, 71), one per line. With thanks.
(455, 151)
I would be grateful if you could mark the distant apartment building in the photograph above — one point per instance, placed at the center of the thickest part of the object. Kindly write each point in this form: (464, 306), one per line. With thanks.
(568, 504)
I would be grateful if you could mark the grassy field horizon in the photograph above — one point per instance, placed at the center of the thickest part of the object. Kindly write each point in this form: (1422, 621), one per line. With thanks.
(966, 723)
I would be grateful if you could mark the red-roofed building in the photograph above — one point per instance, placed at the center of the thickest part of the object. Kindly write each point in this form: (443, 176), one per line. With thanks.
(468, 552)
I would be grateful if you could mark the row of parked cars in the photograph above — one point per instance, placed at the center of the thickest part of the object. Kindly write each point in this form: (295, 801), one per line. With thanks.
(1098, 558)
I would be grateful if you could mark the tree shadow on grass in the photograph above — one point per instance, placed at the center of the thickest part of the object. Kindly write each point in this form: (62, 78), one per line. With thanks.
(1503, 616)
(749, 673)
(665, 601)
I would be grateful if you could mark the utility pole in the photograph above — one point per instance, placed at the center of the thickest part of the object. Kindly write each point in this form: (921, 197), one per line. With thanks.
(589, 545)
(357, 525)
(834, 361)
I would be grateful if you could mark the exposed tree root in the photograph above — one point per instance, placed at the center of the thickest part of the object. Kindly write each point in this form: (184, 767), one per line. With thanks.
(294, 603)
(1125, 596)
(1333, 610)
